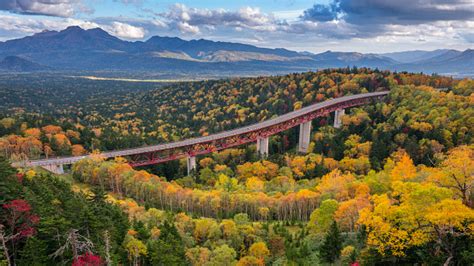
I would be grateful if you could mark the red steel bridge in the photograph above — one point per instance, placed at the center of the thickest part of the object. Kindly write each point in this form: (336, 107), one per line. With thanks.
(259, 133)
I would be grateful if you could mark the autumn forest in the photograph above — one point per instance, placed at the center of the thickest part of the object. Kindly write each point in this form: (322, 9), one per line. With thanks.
(393, 185)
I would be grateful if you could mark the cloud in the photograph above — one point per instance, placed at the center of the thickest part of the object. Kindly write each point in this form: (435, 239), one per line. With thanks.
(58, 8)
(20, 26)
(328, 29)
(12, 26)
(406, 12)
(369, 18)
(400, 12)
(191, 20)
(338, 20)
(125, 30)
(321, 12)
(184, 27)
(159, 23)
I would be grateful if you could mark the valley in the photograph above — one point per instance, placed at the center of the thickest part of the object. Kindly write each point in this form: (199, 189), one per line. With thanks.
(394, 167)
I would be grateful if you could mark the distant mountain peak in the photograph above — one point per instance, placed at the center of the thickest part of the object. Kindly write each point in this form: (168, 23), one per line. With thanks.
(76, 31)
(73, 29)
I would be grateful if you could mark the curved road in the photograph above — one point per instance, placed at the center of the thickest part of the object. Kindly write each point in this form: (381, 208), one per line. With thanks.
(220, 135)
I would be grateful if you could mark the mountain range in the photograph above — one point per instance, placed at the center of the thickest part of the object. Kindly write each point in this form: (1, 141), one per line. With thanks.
(76, 49)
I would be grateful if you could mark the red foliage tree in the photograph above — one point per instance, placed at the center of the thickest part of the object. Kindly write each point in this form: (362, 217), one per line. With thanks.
(16, 222)
(20, 220)
(87, 259)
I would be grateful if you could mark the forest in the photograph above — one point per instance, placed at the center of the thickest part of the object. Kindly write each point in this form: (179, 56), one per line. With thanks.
(393, 185)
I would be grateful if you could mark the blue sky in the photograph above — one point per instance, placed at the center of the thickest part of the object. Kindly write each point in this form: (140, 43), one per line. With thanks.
(316, 26)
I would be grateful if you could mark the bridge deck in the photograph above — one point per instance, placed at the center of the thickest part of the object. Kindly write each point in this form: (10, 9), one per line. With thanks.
(220, 135)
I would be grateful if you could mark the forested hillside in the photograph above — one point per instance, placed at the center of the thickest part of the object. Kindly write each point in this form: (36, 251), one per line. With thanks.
(393, 185)
(107, 115)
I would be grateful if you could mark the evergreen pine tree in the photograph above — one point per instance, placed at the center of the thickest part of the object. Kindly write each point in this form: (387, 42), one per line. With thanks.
(330, 250)
(33, 253)
(8, 186)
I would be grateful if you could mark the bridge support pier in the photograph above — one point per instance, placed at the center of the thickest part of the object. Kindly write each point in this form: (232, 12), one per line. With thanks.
(305, 135)
(191, 162)
(262, 147)
(55, 169)
(338, 117)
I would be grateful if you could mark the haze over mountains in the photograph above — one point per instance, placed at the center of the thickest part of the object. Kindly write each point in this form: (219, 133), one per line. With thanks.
(76, 49)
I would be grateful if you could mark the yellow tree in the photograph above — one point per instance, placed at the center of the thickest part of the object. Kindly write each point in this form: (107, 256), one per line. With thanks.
(458, 173)
(396, 224)
(259, 250)
(206, 162)
(229, 228)
(250, 261)
(135, 249)
(254, 184)
(450, 220)
(226, 183)
(203, 228)
(404, 169)
(335, 185)
(348, 212)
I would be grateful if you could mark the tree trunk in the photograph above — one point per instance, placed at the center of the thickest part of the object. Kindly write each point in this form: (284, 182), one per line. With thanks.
(448, 261)
(107, 248)
(4, 245)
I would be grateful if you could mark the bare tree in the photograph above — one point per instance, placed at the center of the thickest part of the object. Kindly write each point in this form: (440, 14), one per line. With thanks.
(4, 239)
(77, 243)
(107, 247)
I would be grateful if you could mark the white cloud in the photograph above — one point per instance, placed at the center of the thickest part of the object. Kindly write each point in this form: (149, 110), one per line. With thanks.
(184, 27)
(159, 23)
(125, 30)
(191, 20)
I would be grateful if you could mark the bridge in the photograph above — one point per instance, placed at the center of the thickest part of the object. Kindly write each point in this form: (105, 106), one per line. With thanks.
(259, 133)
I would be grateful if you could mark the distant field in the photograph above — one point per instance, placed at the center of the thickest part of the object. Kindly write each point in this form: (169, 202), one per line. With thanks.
(137, 80)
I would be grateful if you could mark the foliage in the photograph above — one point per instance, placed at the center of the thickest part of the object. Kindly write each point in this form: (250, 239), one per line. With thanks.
(45, 210)
(393, 185)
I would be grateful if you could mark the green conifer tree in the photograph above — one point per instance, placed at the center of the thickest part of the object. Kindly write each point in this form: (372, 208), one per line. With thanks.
(330, 250)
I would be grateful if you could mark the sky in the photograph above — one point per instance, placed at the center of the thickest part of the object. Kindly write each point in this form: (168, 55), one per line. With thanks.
(368, 26)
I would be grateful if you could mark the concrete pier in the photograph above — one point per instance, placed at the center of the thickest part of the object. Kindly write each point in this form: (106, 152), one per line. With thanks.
(191, 162)
(305, 137)
(338, 117)
(262, 147)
